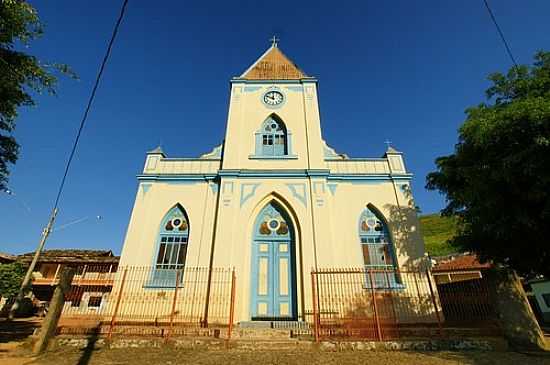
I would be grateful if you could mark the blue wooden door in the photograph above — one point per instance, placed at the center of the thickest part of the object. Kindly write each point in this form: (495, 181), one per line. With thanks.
(273, 268)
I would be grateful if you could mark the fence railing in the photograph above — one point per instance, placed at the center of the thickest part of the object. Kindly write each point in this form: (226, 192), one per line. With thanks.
(146, 300)
(384, 304)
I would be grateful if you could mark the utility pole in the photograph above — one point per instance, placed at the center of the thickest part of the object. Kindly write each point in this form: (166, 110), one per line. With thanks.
(28, 276)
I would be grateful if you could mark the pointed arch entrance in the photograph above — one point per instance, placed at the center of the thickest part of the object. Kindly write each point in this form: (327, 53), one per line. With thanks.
(273, 271)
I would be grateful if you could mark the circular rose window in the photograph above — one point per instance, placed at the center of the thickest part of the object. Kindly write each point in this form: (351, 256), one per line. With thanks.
(273, 224)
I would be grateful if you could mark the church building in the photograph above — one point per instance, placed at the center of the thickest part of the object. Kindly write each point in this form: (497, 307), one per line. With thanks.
(274, 201)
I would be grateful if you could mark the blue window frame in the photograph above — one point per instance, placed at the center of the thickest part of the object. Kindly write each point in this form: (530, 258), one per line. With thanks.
(173, 240)
(378, 250)
(273, 140)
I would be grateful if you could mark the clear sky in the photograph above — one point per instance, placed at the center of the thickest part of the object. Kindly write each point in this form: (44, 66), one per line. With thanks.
(398, 70)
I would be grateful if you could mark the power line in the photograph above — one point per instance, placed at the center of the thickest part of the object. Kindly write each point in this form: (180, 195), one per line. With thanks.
(90, 101)
(49, 227)
(508, 50)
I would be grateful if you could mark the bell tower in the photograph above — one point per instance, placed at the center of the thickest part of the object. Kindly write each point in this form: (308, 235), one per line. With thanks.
(273, 121)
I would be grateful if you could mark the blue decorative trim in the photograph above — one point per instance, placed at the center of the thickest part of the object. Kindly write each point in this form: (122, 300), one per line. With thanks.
(248, 89)
(294, 173)
(298, 173)
(308, 80)
(281, 157)
(366, 177)
(251, 190)
(295, 88)
(319, 187)
(191, 178)
(332, 188)
(145, 188)
(296, 193)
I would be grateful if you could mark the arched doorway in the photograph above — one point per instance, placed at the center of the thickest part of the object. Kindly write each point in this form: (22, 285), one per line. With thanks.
(273, 272)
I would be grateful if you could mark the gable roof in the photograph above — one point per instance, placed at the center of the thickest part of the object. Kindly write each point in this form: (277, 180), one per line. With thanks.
(273, 65)
(459, 263)
(71, 256)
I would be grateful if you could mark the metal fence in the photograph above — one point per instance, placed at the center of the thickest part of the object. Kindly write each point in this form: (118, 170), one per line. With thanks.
(385, 304)
(150, 301)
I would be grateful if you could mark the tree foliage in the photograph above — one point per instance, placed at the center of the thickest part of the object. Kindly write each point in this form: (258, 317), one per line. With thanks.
(11, 276)
(497, 181)
(21, 74)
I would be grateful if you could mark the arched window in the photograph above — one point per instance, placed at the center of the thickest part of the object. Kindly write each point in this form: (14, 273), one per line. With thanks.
(173, 240)
(273, 140)
(377, 247)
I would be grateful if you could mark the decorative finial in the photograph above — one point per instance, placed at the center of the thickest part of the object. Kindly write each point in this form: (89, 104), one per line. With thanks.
(388, 143)
(274, 40)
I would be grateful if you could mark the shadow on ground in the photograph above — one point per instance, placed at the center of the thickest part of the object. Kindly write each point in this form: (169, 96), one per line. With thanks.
(18, 329)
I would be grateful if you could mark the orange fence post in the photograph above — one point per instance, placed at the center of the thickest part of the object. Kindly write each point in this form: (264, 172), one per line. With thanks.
(316, 315)
(434, 301)
(232, 305)
(376, 318)
(113, 319)
(174, 304)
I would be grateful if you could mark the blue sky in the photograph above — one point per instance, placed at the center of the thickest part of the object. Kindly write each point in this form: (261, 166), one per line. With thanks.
(399, 70)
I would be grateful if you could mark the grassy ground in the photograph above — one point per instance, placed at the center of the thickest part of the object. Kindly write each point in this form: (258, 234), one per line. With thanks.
(169, 356)
(436, 231)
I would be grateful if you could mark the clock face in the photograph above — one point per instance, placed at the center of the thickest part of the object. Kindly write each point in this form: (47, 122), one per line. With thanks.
(273, 98)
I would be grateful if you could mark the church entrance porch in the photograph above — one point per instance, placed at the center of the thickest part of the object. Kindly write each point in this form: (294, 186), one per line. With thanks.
(273, 271)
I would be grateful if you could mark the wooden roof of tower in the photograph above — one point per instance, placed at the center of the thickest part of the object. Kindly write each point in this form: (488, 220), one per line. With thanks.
(273, 65)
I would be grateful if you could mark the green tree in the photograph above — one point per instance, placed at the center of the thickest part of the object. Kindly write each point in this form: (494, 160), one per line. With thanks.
(11, 276)
(21, 74)
(497, 181)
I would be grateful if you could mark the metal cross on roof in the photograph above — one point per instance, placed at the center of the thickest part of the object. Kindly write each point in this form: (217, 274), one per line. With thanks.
(274, 40)
(388, 143)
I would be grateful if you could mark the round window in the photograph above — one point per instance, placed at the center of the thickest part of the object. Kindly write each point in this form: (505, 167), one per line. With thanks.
(273, 224)
(371, 222)
(176, 222)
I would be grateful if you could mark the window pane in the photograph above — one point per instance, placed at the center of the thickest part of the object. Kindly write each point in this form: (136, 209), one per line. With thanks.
(170, 239)
(366, 256)
(161, 253)
(174, 256)
(182, 255)
(167, 255)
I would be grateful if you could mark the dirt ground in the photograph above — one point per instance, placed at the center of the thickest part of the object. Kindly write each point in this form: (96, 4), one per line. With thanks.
(173, 356)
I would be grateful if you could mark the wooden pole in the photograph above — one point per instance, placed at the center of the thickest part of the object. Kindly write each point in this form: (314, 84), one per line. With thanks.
(49, 325)
(25, 285)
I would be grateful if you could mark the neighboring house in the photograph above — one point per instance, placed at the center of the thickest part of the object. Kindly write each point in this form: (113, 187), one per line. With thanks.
(538, 292)
(457, 267)
(6, 258)
(93, 278)
(273, 201)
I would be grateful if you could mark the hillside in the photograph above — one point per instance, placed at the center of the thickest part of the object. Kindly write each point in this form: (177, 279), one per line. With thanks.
(436, 231)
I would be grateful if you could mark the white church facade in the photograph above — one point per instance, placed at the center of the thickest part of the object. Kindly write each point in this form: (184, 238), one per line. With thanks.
(273, 201)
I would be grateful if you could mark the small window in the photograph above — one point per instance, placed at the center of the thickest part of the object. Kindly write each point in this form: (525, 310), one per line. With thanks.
(273, 138)
(94, 301)
(173, 240)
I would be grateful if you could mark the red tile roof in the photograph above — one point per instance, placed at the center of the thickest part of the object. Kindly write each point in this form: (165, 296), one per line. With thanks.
(459, 263)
